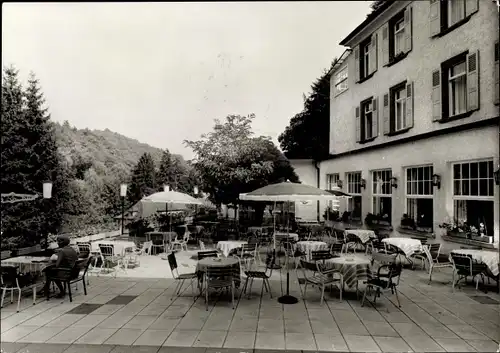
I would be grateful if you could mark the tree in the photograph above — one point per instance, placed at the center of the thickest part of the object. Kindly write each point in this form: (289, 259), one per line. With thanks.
(308, 134)
(375, 5)
(230, 161)
(30, 158)
(143, 179)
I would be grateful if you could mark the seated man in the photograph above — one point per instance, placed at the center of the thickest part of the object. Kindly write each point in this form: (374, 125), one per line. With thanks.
(66, 258)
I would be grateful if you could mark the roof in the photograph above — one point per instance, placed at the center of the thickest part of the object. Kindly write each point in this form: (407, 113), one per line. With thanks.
(369, 19)
(339, 61)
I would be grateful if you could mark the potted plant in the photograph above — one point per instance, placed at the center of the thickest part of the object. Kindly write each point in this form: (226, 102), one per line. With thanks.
(408, 222)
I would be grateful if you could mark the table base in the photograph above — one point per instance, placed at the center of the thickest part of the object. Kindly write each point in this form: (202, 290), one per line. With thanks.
(287, 299)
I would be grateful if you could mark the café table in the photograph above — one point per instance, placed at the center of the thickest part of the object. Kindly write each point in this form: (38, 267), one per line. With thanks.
(364, 235)
(489, 258)
(408, 246)
(308, 246)
(203, 264)
(119, 246)
(354, 268)
(227, 245)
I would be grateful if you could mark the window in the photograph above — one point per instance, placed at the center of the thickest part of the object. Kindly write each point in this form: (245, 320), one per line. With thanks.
(473, 190)
(382, 194)
(341, 80)
(367, 120)
(419, 198)
(365, 56)
(397, 37)
(354, 188)
(457, 88)
(456, 11)
(446, 15)
(458, 95)
(331, 180)
(398, 108)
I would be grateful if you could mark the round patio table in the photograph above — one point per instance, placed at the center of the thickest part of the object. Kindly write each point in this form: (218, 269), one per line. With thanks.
(489, 258)
(307, 246)
(227, 245)
(353, 268)
(207, 262)
(364, 235)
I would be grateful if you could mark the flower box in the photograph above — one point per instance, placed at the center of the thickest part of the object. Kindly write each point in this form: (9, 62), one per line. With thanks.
(456, 234)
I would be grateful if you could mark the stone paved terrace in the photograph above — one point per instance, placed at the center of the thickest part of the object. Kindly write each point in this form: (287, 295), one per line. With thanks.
(139, 315)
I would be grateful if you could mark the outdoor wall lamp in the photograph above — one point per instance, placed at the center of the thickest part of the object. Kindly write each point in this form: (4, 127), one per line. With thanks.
(340, 183)
(496, 175)
(47, 190)
(362, 183)
(394, 182)
(436, 180)
(123, 194)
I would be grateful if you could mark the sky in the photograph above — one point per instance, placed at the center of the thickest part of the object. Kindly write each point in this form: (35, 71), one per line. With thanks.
(162, 72)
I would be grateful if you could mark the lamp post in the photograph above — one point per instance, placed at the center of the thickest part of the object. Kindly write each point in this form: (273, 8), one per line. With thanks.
(195, 191)
(123, 194)
(47, 195)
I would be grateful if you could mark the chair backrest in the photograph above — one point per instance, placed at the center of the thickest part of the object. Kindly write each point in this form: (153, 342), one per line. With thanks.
(270, 260)
(320, 255)
(307, 266)
(9, 275)
(207, 253)
(172, 262)
(246, 248)
(434, 249)
(146, 246)
(84, 248)
(463, 263)
(337, 248)
(219, 272)
(202, 245)
(395, 272)
(427, 253)
(253, 240)
(107, 249)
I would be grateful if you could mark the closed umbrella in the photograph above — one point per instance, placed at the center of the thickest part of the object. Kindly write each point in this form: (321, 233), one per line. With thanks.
(288, 192)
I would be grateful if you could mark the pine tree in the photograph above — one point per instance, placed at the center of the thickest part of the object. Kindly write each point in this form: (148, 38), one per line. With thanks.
(30, 158)
(165, 174)
(143, 179)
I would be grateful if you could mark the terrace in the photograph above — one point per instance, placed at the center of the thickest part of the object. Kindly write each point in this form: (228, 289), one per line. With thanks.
(127, 313)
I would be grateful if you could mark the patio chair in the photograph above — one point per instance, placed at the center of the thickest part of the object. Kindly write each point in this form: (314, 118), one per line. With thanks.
(84, 250)
(291, 251)
(181, 242)
(247, 253)
(250, 275)
(180, 278)
(322, 279)
(69, 276)
(387, 278)
(157, 242)
(11, 280)
(465, 266)
(435, 261)
(218, 278)
(145, 249)
(207, 253)
(351, 242)
(336, 249)
(110, 258)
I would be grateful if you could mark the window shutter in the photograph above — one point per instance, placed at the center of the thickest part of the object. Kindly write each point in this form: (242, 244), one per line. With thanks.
(436, 95)
(375, 117)
(385, 44)
(373, 54)
(473, 81)
(386, 114)
(408, 38)
(471, 6)
(409, 104)
(357, 63)
(497, 74)
(358, 125)
(435, 17)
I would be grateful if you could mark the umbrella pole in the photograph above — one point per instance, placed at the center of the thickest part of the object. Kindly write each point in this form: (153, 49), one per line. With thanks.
(287, 298)
(275, 265)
